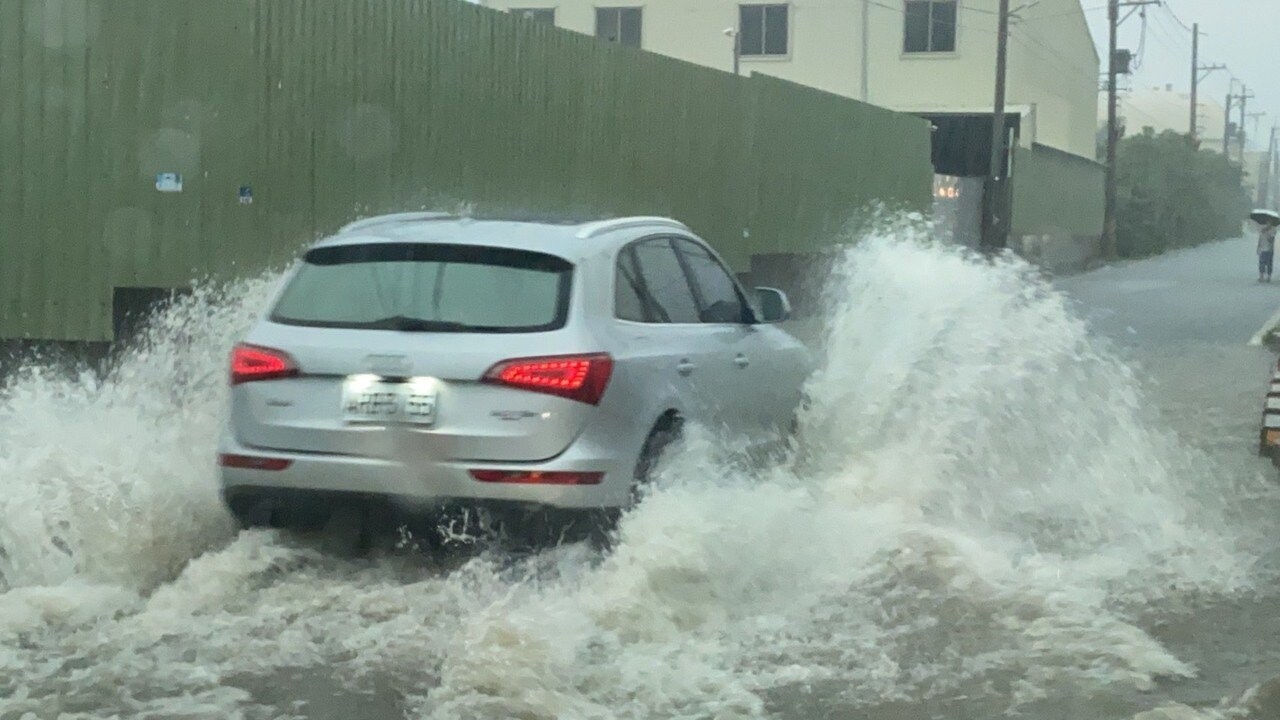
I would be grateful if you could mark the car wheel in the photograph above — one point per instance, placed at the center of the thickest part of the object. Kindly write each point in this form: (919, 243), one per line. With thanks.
(660, 439)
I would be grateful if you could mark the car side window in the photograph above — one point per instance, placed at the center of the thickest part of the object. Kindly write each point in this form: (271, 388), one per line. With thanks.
(718, 298)
(628, 290)
(666, 292)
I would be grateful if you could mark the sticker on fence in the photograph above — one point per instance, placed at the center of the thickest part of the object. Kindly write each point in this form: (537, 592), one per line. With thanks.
(169, 182)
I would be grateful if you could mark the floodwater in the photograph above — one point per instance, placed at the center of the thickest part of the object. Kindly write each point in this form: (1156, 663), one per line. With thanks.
(1002, 507)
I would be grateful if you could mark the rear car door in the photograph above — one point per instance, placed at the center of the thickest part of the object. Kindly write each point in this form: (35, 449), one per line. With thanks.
(655, 297)
(739, 358)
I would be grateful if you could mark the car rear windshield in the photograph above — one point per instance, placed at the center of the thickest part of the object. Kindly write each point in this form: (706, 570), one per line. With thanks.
(418, 287)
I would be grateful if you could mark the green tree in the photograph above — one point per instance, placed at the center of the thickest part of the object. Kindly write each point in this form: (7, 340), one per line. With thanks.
(1171, 195)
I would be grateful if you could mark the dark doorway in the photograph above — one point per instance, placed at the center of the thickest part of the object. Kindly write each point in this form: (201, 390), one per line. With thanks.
(132, 307)
(962, 143)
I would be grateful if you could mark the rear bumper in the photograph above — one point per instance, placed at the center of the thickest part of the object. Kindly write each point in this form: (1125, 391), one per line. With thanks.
(423, 485)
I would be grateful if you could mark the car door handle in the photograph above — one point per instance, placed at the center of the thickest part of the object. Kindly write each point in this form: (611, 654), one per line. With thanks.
(741, 361)
(685, 367)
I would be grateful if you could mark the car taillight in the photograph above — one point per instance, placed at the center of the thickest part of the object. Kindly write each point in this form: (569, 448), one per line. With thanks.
(526, 477)
(250, 363)
(577, 377)
(253, 462)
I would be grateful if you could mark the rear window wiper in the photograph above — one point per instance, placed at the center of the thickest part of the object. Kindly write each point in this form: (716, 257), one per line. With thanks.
(408, 324)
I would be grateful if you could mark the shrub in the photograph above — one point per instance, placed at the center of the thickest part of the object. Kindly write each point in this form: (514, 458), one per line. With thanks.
(1172, 195)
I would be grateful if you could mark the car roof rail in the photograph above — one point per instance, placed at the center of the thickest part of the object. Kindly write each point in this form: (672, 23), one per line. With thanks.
(596, 229)
(377, 220)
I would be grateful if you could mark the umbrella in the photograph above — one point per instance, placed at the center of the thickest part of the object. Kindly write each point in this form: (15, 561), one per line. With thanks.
(1265, 217)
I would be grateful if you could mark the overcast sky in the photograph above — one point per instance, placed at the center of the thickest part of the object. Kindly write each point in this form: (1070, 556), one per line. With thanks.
(1244, 35)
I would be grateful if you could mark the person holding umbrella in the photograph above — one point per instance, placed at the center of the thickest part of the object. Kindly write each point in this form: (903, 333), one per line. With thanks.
(1269, 220)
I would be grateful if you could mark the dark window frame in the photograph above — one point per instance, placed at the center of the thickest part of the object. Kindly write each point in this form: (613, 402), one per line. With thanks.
(748, 49)
(618, 35)
(535, 14)
(932, 44)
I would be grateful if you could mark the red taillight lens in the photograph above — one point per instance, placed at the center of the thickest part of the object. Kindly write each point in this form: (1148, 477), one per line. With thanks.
(250, 363)
(577, 377)
(524, 477)
(251, 462)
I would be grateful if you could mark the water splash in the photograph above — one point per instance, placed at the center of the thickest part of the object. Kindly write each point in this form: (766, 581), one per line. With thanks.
(981, 505)
(108, 478)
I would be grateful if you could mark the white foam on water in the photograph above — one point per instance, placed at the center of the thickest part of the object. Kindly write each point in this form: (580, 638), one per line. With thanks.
(981, 507)
(110, 479)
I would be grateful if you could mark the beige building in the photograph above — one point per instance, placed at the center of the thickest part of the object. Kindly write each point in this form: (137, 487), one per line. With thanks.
(930, 57)
(1163, 108)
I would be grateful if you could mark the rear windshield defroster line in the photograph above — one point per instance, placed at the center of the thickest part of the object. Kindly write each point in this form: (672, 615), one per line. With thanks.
(427, 287)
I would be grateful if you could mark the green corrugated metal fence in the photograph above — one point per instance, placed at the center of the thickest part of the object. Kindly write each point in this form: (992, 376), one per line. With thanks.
(331, 109)
(1058, 201)
(1057, 192)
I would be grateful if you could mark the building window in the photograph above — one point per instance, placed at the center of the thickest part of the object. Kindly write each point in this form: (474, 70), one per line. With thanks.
(620, 25)
(762, 29)
(542, 15)
(930, 26)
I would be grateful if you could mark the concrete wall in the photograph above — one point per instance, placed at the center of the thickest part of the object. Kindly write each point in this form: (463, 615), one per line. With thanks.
(1053, 72)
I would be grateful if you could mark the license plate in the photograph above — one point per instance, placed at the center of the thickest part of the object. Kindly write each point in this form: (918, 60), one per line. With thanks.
(375, 401)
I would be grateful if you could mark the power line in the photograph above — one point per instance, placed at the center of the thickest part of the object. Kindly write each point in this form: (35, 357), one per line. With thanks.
(1035, 46)
(1142, 41)
(1171, 39)
(1175, 17)
(1052, 16)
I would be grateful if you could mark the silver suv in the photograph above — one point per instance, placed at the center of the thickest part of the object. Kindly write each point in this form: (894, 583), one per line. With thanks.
(431, 360)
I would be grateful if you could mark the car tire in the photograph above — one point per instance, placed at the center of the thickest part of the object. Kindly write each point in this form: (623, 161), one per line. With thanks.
(599, 526)
(665, 433)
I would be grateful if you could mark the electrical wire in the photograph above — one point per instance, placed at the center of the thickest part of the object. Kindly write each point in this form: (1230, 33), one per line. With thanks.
(1174, 15)
(1037, 47)
(1139, 55)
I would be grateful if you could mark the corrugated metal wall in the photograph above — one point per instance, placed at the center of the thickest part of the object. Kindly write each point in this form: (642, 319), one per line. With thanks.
(1057, 192)
(331, 109)
(1058, 207)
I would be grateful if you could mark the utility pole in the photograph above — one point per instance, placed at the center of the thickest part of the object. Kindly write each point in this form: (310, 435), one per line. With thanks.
(1244, 98)
(1275, 165)
(1113, 124)
(736, 36)
(1203, 71)
(1268, 172)
(866, 53)
(1113, 131)
(993, 210)
(1226, 123)
(1195, 82)
(1274, 200)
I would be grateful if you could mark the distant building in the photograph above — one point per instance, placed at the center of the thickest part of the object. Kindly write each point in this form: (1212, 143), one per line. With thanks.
(932, 58)
(928, 57)
(1163, 108)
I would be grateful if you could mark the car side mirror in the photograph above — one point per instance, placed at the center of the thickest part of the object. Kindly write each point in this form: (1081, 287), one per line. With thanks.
(774, 305)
